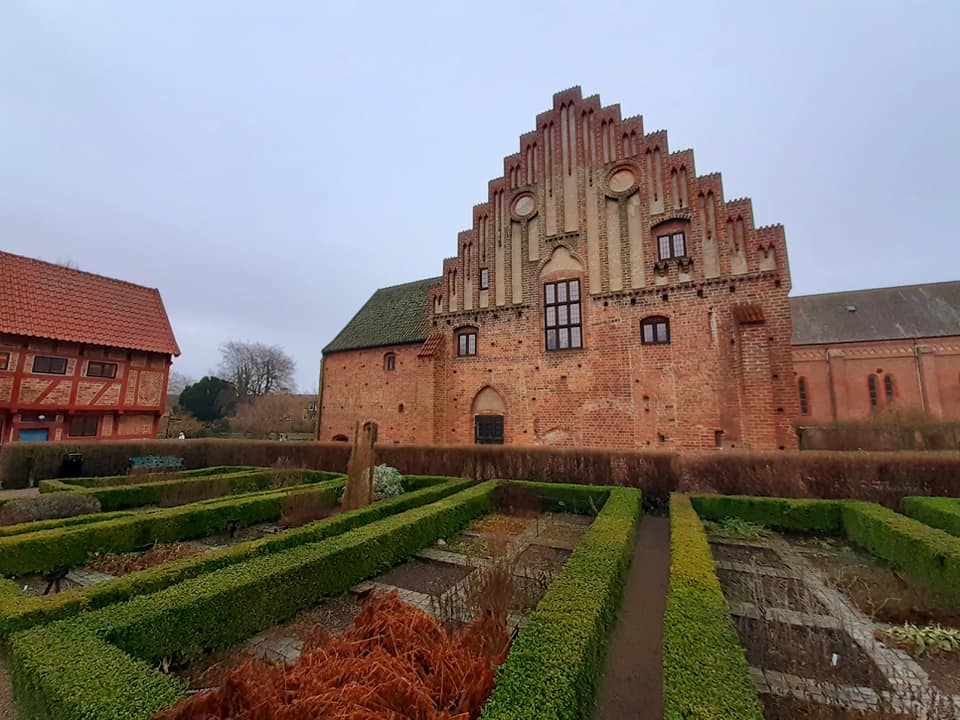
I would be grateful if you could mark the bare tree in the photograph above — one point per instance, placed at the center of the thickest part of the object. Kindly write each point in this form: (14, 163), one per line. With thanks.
(274, 413)
(256, 369)
(178, 381)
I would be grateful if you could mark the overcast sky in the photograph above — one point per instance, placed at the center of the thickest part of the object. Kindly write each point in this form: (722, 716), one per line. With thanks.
(267, 165)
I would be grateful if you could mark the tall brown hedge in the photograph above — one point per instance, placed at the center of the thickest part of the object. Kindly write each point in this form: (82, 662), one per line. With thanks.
(882, 477)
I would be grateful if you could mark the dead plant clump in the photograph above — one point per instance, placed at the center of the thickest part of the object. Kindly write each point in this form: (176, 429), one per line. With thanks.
(126, 563)
(499, 525)
(307, 507)
(394, 662)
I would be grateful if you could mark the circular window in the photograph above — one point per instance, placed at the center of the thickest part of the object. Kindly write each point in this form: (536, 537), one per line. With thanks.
(524, 206)
(622, 180)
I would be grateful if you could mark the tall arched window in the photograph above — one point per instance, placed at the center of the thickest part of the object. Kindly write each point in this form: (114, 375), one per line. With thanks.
(872, 387)
(804, 397)
(888, 387)
(655, 331)
(390, 362)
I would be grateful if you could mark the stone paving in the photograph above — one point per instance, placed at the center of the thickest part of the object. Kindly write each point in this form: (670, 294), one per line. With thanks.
(909, 683)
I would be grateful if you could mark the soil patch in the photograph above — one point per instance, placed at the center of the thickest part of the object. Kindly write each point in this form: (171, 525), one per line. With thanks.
(632, 683)
(880, 592)
(807, 652)
(562, 534)
(776, 707)
(542, 559)
(430, 577)
(768, 591)
(723, 552)
(499, 525)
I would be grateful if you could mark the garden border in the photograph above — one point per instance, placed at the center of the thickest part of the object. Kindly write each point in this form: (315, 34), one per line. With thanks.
(123, 497)
(99, 665)
(940, 512)
(705, 671)
(18, 612)
(926, 554)
(554, 666)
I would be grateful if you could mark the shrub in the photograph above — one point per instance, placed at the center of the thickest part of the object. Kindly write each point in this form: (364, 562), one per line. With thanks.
(181, 491)
(140, 476)
(57, 548)
(47, 507)
(705, 673)
(304, 507)
(59, 668)
(782, 513)
(387, 482)
(942, 513)
(555, 663)
(25, 612)
(926, 554)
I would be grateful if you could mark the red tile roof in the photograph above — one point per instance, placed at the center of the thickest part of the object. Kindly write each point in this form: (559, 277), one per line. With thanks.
(39, 299)
(430, 346)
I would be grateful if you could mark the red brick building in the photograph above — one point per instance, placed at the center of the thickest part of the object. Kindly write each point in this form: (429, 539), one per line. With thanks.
(82, 356)
(604, 295)
(865, 351)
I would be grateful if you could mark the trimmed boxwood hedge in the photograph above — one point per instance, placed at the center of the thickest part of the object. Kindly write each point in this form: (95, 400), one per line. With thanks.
(782, 513)
(46, 550)
(18, 612)
(705, 673)
(121, 497)
(98, 665)
(146, 477)
(928, 555)
(942, 513)
(555, 663)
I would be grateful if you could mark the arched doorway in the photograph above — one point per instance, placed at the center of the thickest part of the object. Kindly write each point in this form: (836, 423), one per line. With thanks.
(488, 411)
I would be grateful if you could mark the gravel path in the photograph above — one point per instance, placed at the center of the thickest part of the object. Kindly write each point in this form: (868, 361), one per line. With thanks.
(632, 684)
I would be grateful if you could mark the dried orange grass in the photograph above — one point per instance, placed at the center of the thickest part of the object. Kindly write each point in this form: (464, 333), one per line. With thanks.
(395, 662)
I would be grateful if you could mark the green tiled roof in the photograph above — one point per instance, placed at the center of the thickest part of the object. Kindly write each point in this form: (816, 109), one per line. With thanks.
(392, 316)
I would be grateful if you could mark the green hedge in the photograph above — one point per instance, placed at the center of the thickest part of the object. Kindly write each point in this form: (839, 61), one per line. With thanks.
(98, 666)
(929, 555)
(942, 513)
(705, 673)
(18, 613)
(926, 554)
(179, 491)
(146, 477)
(781, 513)
(46, 550)
(556, 661)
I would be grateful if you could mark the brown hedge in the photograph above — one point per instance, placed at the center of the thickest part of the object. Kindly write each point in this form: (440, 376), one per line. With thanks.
(883, 477)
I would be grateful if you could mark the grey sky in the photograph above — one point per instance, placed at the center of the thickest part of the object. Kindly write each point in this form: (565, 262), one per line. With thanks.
(268, 165)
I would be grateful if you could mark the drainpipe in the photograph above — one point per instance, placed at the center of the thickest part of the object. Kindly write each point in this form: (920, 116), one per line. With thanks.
(316, 431)
(833, 394)
(923, 389)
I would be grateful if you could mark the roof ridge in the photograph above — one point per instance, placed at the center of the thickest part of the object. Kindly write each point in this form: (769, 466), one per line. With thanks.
(65, 268)
(875, 289)
(438, 278)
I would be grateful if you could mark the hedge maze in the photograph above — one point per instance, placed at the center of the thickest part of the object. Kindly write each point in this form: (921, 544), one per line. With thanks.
(738, 565)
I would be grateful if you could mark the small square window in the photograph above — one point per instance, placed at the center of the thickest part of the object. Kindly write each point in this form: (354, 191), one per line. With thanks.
(101, 369)
(655, 331)
(50, 365)
(4, 361)
(84, 425)
(484, 278)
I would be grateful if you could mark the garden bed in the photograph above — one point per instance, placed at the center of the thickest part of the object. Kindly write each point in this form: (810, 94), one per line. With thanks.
(813, 611)
(106, 658)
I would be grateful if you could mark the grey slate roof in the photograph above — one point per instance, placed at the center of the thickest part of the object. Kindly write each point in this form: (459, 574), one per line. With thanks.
(909, 311)
(392, 316)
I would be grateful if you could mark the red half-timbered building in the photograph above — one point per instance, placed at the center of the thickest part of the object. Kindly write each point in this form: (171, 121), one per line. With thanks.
(82, 356)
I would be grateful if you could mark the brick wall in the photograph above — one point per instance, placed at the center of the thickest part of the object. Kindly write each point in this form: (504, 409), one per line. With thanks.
(925, 377)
